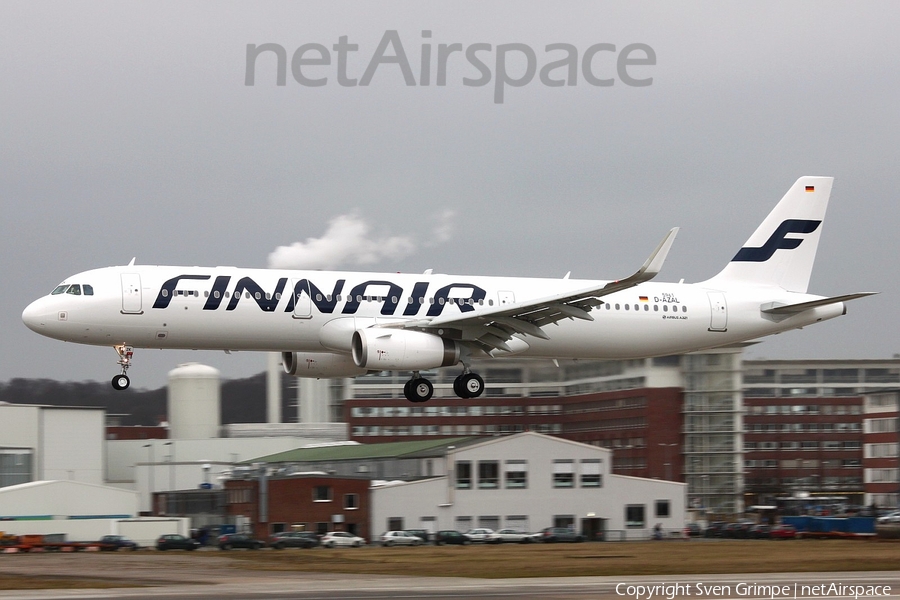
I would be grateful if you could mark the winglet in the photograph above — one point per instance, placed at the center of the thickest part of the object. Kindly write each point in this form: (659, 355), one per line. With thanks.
(651, 267)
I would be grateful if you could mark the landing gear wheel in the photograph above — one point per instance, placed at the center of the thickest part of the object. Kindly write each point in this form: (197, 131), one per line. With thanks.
(468, 385)
(121, 382)
(418, 389)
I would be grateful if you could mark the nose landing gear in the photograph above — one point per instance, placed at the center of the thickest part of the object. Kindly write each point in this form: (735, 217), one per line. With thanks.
(121, 382)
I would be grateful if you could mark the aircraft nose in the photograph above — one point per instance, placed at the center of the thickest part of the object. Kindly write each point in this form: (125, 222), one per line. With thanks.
(35, 315)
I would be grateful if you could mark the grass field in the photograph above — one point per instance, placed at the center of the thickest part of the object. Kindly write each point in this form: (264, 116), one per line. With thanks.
(506, 561)
(595, 559)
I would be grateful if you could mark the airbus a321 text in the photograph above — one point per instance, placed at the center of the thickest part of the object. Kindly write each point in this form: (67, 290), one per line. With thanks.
(342, 324)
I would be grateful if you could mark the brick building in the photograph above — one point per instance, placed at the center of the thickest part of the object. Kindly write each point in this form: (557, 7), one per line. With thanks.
(302, 502)
(880, 443)
(808, 444)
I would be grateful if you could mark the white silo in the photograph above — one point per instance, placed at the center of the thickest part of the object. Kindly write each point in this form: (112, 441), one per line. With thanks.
(194, 402)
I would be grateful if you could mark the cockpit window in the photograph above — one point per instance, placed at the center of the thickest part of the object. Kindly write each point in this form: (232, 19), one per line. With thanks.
(75, 289)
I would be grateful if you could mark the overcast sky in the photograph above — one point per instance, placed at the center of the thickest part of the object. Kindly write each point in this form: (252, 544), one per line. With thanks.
(127, 130)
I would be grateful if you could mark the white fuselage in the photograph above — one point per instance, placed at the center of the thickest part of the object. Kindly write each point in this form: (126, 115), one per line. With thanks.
(226, 308)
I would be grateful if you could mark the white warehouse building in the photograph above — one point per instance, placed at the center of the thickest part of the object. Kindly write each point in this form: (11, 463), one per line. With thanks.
(531, 481)
(51, 442)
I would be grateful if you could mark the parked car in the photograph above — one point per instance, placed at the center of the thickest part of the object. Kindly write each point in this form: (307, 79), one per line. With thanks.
(342, 538)
(174, 541)
(783, 532)
(759, 532)
(480, 534)
(422, 533)
(294, 539)
(400, 538)
(510, 535)
(715, 529)
(738, 530)
(451, 536)
(891, 517)
(693, 530)
(117, 542)
(559, 534)
(239, 540)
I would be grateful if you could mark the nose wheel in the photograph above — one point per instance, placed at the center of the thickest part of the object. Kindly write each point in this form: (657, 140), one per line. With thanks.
(121, 382)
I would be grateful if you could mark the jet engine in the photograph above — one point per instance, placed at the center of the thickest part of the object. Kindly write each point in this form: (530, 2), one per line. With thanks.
(319, 365)
(383, 349)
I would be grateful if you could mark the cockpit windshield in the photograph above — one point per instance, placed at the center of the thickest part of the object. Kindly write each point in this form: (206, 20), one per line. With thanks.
(74, 289)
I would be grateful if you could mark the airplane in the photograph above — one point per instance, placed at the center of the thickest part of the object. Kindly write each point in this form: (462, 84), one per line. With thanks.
(345, 324)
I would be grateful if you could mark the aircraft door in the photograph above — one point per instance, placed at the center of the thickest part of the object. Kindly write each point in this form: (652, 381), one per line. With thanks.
(131, 293)
(718, 320)
(302, 301)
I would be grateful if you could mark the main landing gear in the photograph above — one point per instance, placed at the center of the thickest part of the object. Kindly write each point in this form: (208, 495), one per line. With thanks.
(467, 385)
(121, 382)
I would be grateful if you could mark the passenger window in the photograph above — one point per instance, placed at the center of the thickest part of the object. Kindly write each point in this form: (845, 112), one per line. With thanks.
(74, 289)
(88, 290)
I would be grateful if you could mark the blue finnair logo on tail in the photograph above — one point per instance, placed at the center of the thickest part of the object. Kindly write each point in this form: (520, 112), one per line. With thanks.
(777, 241)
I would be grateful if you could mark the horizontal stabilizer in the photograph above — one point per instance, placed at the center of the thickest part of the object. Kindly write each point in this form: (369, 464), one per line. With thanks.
(774, 308)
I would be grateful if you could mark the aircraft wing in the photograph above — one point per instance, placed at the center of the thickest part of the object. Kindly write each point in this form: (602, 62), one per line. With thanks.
(493, 327)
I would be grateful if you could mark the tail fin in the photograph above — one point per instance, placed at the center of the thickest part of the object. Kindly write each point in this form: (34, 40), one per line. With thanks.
(782, 250)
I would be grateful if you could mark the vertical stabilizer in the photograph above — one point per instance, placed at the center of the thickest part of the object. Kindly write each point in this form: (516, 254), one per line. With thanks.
(782, 250)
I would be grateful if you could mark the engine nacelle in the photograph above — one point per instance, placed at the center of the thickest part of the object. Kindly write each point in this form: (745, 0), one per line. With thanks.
(319, 365)
(382, 349)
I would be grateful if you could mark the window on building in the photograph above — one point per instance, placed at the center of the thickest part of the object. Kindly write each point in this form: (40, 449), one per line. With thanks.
(488, 474)
(634, 516)
(518, 522)
(590, 473)
(566, 521)
(463, 475)
(395, 523)
(563, 473)
(351, 501)
(322, 493)
(489, 521)
(662, 509)
(516, 474)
